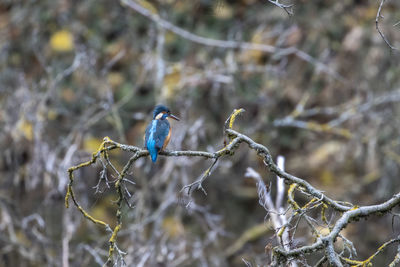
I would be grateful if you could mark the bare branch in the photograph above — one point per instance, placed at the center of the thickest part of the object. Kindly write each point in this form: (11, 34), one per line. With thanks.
(287, 8)
(228, 44)
(285, 254)
(199, 183)
(378, 16)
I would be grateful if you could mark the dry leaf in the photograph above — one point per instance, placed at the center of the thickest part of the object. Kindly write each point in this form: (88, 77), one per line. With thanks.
(172, 226)
(149, 6)
(115, 79)
(24, 128)
(62, 41)
(91, 144)
(324, 152)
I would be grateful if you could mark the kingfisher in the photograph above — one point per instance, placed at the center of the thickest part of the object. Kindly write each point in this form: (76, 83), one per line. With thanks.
(158, 132)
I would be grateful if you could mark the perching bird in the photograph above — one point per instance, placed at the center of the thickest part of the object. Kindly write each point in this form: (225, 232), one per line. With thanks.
(158, 132)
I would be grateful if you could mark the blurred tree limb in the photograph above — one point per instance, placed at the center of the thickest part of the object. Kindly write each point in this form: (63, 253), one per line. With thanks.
(322, 242)
(230, 44)
(300, 116)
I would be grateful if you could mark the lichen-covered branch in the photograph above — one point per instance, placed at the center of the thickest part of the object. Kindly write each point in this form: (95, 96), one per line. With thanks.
(283, 253)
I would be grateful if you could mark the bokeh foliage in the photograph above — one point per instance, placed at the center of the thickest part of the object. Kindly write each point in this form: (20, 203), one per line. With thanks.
(73, 72)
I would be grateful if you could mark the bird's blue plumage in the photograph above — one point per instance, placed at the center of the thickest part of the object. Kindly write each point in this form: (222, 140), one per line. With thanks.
(156, 134)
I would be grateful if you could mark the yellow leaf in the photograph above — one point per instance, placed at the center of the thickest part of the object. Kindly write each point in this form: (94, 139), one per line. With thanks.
(91, 144)
(170, 37)
(327, 177)
(172, 81)
(112, 49)
(22, 238)
(52, 114)
(371, 177)
(25, 128)
(253, 55)
(115, 79)
(324, 153)
(222, 10)
(324, 231)
(179, 6)
(172, 226)
(68, 95)
(100, 213)
(147, 5)
(103, 209)
(62, 41)
(169, 2)
(253, 233)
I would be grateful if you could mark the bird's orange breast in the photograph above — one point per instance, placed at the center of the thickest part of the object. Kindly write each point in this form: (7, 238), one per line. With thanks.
(167, 139)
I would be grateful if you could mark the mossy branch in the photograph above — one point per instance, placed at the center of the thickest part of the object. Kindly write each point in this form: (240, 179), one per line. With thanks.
(348, 211)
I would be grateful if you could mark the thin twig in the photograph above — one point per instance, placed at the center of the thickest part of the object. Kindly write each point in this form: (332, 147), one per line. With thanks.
(287, 8)
(378, 16)
(229, 44)
(325, 243)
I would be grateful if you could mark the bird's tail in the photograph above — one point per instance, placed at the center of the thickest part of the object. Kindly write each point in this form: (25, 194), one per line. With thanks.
(154, 156)
(152, 150)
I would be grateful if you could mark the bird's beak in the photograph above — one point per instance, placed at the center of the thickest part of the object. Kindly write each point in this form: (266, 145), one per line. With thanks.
(174, 117)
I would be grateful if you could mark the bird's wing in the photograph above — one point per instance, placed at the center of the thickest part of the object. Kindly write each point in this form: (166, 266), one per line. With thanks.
(147, 134)
(161, 133)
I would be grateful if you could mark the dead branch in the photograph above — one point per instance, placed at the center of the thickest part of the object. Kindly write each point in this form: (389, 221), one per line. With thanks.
(379, 16)
(281, 254)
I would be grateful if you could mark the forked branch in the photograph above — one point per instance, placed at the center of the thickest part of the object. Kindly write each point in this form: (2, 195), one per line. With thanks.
(348, 212)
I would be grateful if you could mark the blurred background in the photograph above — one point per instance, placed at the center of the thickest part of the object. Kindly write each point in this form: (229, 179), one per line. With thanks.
(320, 87)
